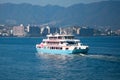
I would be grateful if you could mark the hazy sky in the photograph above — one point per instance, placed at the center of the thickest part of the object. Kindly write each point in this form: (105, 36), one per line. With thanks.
(52, 2)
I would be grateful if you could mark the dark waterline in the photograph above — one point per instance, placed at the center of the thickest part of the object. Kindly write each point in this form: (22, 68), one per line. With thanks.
(20, 61)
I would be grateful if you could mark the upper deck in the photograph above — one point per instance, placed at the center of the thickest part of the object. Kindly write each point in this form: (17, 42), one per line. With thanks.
(59, 36)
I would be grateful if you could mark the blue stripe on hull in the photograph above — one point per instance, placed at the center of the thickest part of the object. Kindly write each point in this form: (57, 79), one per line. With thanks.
(55, 51)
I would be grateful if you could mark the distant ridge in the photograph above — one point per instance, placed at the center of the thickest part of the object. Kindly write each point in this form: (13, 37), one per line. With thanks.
(105, 13)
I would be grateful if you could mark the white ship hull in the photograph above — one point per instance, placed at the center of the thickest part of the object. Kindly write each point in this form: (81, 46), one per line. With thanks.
(55, 51)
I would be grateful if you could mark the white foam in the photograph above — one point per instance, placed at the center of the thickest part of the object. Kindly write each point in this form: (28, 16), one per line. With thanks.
(103, 57)
(54, 56)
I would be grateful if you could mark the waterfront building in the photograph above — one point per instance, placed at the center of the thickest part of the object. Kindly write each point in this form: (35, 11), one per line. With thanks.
(45, 30)
(33, 31)
(18, 31)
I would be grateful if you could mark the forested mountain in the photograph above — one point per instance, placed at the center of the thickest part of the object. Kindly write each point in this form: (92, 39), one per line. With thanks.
(106, 13)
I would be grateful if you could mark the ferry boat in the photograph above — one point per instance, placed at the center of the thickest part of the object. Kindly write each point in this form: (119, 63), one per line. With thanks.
(61, 44)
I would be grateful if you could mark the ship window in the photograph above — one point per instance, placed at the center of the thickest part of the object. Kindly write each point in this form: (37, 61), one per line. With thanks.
(52, 37)
(65, 37)
(70, 42)
(52, 47)
(61, 42)
(75, 47)
(66, 48)
(61, 48)
(59, 37)
(57, 47)
(69, 37)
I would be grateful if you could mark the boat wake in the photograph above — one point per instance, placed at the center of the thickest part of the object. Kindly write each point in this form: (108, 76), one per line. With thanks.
(102, 57)
(54, 56)
(69, 57)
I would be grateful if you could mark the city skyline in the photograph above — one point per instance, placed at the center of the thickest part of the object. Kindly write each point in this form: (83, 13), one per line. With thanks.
(37, 31)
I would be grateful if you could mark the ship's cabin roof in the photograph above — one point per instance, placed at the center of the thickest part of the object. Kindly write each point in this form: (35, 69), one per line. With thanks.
(60, 36)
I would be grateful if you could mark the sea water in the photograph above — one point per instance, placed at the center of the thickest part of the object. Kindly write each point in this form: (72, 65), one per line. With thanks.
(20, 61)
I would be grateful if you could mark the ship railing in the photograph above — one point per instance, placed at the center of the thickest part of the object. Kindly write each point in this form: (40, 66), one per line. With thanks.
(58, 39)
